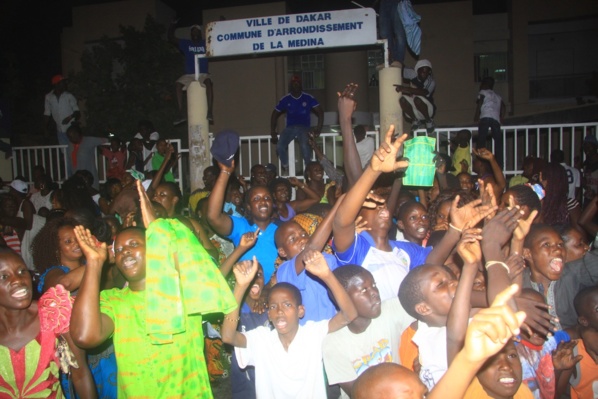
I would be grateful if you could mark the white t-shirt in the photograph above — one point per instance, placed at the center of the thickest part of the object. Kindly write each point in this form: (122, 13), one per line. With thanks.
(388, 268)
(431, 342)
(347, 355)
(365, 149)
(573, 178)
(60, 108)
(491, 105)
(153, 137)
(296, 374)
(39, 201)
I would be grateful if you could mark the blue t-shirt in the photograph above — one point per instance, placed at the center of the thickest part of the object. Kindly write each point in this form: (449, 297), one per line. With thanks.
(314, 294)
(264, 248)
(388, 268)
(298, 109)
(189, 48)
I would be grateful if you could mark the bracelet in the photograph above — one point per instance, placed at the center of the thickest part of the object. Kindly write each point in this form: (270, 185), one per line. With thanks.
(496, 262)
(225, 171)
(453, 226)
(232, 319)
(302, 187)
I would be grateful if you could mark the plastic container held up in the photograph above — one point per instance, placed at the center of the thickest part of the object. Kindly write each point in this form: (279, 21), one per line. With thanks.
(421, 170)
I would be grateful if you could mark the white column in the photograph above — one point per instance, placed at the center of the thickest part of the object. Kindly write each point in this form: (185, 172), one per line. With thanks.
(199, 141)
(390, 110)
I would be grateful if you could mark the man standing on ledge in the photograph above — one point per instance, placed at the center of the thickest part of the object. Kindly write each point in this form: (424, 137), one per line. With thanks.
(298, 107)
(189, 48)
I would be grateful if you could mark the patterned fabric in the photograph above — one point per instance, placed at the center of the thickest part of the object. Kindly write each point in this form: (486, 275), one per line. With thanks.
(31, 372)
(172, 287)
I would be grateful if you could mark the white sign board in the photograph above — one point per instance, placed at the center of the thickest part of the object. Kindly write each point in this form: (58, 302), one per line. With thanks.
(292, 32)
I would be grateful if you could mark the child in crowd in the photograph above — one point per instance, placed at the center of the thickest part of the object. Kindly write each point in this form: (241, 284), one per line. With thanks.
(489, 113)
(413, 222)
(584, 380)
(548, 274)
(288, 359)
(485, 336)
(372, 338)
(156, 320)
(294, 243)
(461, 152)
(116, 154)
(158, 159)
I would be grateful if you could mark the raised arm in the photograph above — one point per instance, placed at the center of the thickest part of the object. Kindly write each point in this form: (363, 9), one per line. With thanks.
(316, 264)
(220, 221)
(89, 326)
(163, 169)
(487, 334)
(470, 251)
(248, 240)
(304, 204)
(383, 160)
(244, 273)
(319, 112)
(346, 107)
(319, 238)
(499, 177)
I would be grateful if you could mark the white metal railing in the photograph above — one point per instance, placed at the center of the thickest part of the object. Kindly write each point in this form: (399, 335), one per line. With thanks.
(520, 141)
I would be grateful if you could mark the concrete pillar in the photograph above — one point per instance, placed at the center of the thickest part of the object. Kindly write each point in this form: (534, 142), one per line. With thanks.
(199, 141)
(390, 111)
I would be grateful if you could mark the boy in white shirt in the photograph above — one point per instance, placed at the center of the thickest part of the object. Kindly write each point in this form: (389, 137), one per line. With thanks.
(489, 114)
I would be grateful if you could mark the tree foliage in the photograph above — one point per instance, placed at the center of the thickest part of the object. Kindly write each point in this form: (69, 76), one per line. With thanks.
(127, 79)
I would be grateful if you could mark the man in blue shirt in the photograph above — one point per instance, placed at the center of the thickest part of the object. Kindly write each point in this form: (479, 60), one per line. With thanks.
(189, 48)
(298, 106)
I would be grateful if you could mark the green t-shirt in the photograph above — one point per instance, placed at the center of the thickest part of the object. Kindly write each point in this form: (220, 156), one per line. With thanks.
(157, 160)
(174, 370)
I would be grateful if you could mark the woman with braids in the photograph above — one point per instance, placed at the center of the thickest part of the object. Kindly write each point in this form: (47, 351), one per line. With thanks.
(59, 259)
(556, 207)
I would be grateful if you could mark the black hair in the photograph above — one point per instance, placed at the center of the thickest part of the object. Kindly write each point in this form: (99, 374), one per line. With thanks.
(278, 181)
(290, 287)
(359, 131)
(345, 274)
(97, 226)
(176, 191)
(557, 156)
(105, 189)
(488, 81)
(407, 206)
(535, 230)
(140, 230)
(525, 196)
(45, 248)
(582, 297)
(410, 290)
(554, 208)
(278, 234)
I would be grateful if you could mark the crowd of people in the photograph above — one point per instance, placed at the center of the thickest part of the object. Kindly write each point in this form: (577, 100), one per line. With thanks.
(340, 284)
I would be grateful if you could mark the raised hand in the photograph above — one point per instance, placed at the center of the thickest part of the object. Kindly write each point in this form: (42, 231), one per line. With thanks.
(523, 225)
(469, 246)
(488, 198)
(346, 101)
(147, 211)
(227, 169)
(484, 153)
(294, 181)
(248, 240)
(385, 157)
(316, 264)
(373, 200)
(516, 264)
(537, 318)
(491, 328)
(93, 250)
(469, 214)
(245, 271)
(562, 356)
(501, 227)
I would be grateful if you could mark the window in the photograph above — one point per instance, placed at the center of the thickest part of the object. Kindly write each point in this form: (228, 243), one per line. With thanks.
(311, 69)
(493, 65)
(375, 58)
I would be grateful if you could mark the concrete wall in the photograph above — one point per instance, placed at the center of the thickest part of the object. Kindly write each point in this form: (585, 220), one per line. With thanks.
(526, 12)
(92, 22)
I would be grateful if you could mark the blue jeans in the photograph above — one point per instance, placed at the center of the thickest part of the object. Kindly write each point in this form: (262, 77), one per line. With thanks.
(391, 28)
(484, 125)
(289, 134)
